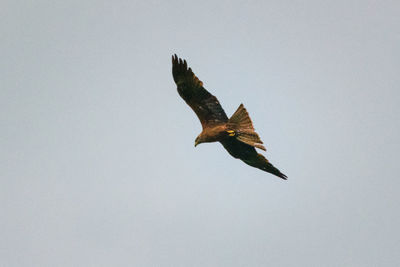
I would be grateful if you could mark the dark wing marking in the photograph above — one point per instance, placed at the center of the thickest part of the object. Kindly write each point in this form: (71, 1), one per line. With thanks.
(190, 88)
(249, 155)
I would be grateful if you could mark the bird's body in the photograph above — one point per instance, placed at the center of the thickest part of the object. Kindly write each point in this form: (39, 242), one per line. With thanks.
(236, 134)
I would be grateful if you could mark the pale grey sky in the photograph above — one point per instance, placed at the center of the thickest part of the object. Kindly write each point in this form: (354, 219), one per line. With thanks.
(97, 164)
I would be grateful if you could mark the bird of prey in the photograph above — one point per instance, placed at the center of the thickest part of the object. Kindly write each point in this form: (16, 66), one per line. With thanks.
(236, 133)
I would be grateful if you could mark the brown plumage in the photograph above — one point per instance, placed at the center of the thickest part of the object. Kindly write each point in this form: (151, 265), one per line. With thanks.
(236, 134)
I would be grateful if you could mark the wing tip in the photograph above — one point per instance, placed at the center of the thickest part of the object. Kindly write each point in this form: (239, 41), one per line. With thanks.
(278, 173)
(281, 175)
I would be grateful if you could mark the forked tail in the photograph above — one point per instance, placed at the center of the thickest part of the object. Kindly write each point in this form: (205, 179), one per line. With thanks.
(242, 127)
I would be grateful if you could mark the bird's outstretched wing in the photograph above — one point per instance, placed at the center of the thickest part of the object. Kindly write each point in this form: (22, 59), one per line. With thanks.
(190, 88)
(249, 155)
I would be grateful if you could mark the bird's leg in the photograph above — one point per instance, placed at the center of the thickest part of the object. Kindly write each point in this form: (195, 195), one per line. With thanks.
(231, 133)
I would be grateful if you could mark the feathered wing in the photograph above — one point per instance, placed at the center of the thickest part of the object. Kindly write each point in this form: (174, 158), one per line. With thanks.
(190, 88)
(249, 155)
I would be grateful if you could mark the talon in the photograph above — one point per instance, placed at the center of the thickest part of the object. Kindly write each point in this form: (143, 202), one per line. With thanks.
(231, 133)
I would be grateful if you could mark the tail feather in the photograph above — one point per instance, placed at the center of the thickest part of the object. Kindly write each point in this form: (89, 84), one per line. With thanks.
(241, 123)
(242, 119)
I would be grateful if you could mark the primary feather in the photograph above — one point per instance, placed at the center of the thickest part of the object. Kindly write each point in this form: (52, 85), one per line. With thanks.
(190, 88)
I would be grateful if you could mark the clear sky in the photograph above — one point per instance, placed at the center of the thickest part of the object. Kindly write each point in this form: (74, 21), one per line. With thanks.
(97, 163)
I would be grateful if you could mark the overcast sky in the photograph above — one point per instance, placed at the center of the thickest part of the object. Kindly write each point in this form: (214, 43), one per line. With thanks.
(97, 158)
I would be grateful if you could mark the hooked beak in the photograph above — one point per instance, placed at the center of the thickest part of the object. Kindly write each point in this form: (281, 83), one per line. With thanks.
(196, 142)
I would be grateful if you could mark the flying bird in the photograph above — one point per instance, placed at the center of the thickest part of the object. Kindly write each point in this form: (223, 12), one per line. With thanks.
(236, 133)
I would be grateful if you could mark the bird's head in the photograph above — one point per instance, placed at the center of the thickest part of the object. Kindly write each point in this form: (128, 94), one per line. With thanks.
(198, 140)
